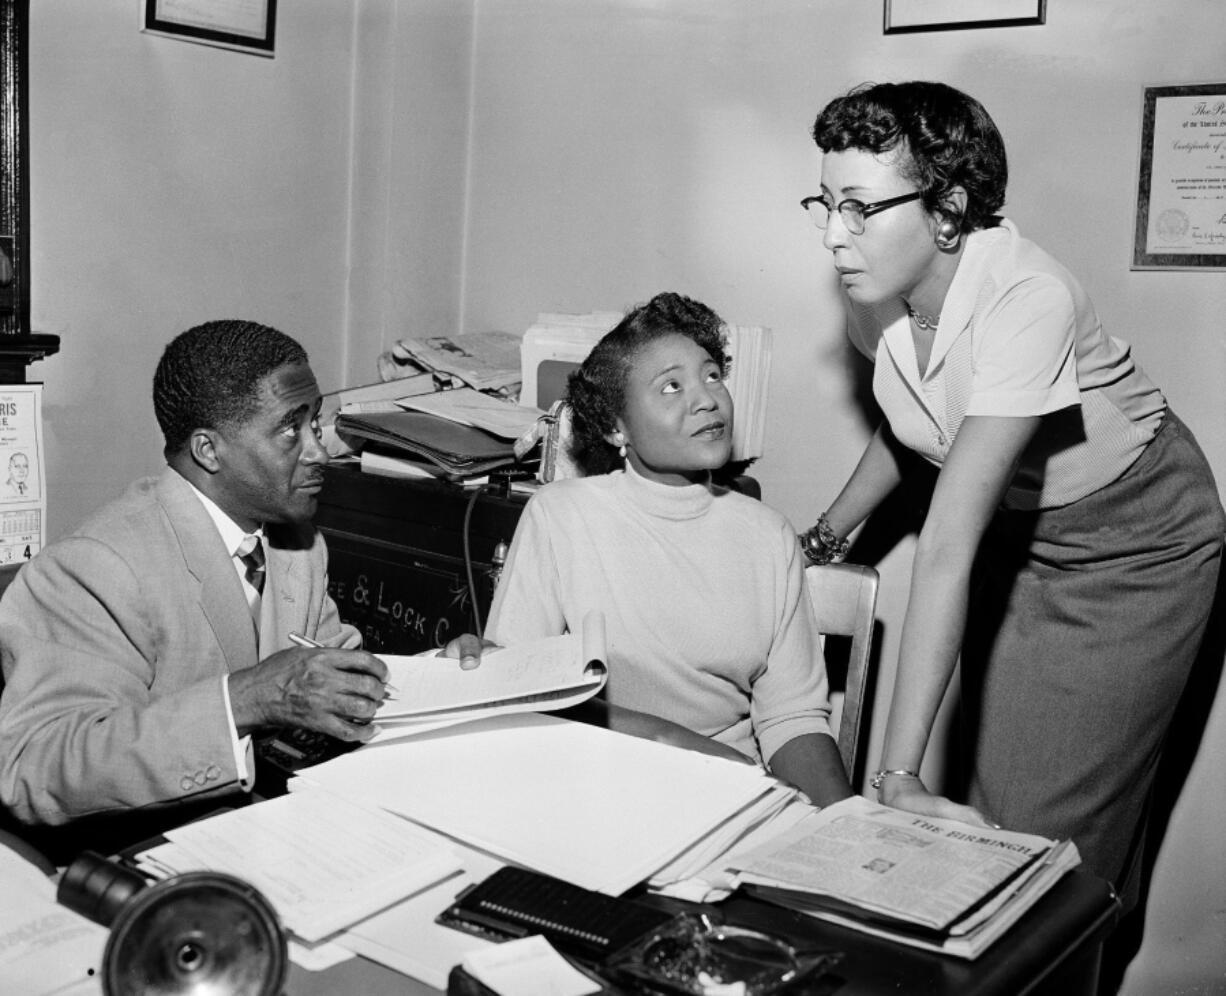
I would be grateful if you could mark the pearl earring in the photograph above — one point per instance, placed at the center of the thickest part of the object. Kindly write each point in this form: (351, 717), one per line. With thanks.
(947, 235)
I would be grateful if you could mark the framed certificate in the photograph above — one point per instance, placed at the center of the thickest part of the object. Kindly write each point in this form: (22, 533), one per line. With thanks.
(1181, 184)
(244, 25)
(943, 15)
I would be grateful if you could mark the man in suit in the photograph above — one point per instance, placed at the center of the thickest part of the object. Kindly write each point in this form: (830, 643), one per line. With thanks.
(141, 651)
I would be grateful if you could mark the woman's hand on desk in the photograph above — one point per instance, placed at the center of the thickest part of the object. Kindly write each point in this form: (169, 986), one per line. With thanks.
(328, 689)
(909, 793)
(467, 649)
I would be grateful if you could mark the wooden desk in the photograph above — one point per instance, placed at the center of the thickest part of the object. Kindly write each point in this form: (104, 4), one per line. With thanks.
(1053, 951)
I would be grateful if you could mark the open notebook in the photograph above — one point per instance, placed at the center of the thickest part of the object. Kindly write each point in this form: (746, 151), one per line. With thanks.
(551, 673)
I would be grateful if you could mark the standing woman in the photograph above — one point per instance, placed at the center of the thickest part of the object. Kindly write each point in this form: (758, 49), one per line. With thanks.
(1072, 545)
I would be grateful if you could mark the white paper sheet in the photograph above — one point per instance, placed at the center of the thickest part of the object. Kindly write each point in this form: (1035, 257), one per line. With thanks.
(323, 862)
(600, 809)
(529, 966)
(44, 947)
(405, 937)
(469, 407)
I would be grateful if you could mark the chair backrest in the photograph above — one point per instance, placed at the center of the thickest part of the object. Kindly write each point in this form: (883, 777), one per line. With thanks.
(845, 601)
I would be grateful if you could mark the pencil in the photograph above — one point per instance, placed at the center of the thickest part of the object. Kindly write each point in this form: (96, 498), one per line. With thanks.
(306, 641)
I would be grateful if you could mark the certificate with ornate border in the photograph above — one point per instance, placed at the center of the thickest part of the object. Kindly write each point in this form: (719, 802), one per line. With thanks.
(244, 25)
(1181, 185)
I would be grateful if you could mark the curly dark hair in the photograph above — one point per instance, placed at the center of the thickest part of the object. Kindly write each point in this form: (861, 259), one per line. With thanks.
(597, 390)
(949, 140)
(208, 376)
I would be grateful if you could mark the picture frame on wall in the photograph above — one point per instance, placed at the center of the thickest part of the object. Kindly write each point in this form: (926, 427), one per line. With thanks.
(1181, 179)
(14, 169)
(944, 15)
(240, 25)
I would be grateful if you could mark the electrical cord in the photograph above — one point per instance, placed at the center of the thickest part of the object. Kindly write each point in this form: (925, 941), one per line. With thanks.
(500, 486)
(468, 560)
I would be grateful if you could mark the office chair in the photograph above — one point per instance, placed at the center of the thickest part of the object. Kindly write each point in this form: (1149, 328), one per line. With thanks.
(844, 599)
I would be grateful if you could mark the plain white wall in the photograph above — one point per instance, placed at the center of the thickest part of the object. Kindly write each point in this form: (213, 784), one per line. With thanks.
(411, 114)
(464, 164)
(173, 183)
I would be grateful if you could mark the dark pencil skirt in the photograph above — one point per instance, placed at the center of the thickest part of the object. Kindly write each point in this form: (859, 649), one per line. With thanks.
(1083, 626)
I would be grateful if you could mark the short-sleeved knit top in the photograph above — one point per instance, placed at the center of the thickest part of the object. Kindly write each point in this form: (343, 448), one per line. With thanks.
(1018, 336)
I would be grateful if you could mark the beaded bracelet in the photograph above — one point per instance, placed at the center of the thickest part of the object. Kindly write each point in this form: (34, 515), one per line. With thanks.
(821, 546)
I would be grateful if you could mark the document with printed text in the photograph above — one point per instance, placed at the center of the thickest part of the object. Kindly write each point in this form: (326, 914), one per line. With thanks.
(323, 861)
(940, 883)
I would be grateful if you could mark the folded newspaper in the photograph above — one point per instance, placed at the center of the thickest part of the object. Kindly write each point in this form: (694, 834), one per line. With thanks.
(932, 883)
(488, 361)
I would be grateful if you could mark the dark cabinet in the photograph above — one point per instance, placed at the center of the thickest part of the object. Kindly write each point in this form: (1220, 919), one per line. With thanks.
(405, 556)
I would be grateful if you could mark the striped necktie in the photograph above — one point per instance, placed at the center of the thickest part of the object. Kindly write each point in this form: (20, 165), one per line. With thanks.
(251, 553)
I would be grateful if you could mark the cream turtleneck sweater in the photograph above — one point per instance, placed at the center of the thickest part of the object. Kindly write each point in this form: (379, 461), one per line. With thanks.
(707, 618)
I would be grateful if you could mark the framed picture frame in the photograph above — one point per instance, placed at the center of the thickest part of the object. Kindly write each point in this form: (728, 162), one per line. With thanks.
(944, 15)
(241, 25)
(14, 169)
(1181, 179)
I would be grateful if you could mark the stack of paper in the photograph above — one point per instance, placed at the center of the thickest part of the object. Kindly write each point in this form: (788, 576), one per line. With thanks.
(495, 415)
(749, 353)
(324, 862)
(386, 463)
(453, 450)
(932, 883)
(374, 397)
(364, 399)
(709, 870)
(488, 361)
(596, 808)
(408, 939)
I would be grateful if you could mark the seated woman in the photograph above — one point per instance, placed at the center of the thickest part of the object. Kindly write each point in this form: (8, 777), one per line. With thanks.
(708, 622)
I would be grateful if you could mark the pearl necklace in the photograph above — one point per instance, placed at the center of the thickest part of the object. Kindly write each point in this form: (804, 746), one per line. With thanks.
(925, 323)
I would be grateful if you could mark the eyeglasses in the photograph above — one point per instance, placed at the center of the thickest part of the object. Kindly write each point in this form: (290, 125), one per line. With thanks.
(852, 211)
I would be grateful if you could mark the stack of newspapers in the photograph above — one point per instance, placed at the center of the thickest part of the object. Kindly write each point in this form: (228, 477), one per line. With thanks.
(486, 361)
(931, 883)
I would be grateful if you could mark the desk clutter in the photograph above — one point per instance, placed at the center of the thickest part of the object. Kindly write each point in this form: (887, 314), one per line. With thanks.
(584, 837)
(616, 853)
(461, 407)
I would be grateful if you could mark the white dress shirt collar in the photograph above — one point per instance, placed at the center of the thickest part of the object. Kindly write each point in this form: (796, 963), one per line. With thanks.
(231, 534)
